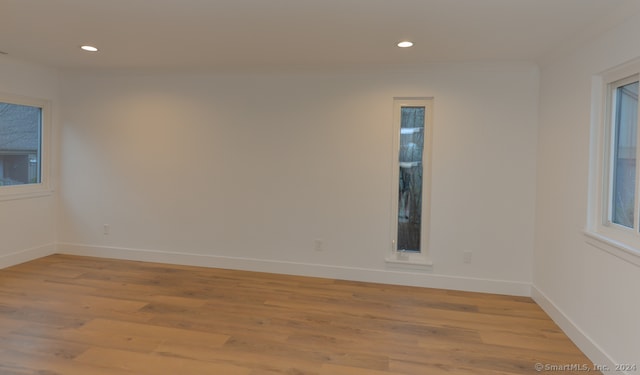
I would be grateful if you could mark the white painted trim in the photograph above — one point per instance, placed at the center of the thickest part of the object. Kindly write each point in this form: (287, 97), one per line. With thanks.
(398, 104)
(422, 263)
(594, 352)
(409, 261)
(24, 193)
(611, 246)
(419, 279)
(26, 255)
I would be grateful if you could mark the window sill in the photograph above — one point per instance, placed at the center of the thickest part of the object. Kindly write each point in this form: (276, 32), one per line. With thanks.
(9, 193)
(414, 261)
(613, 247)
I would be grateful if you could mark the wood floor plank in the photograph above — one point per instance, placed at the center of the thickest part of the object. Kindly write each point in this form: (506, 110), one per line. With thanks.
(259, 362)
(68, 315)
(331, 369)
(153, 364)
(15, 362)
(85, 335)
(162, 334)
(435, 368)
(552, 342)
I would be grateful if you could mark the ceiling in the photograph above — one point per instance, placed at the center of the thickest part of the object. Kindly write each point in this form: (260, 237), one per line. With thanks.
(201, 34)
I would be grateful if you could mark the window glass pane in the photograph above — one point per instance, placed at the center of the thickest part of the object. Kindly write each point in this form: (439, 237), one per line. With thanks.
(410, 192)
(20, 130)
(624, 163)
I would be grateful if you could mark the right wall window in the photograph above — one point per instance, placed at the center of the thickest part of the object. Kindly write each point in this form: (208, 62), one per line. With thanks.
(623, 154)
(613, 222)
(617, 214)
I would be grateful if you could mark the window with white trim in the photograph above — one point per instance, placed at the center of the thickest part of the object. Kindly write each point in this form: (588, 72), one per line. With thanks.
(24, 133)
(411, 179)
(614, 205)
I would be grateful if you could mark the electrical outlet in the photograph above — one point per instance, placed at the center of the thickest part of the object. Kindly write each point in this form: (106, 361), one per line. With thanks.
(466, 256)
(318, 245)
(106, 229)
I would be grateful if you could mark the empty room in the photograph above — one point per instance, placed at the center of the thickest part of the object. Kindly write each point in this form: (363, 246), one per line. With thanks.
(353, 187)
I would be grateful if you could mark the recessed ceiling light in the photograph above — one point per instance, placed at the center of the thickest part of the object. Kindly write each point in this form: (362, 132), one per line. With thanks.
(89, 48)
(405, 44)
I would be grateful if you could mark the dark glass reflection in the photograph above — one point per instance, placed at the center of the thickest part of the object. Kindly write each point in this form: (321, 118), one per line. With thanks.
(410, 192)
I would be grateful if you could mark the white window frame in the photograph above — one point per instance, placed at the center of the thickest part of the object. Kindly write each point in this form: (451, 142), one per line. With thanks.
(414, 260)
(44, 186)
(601, 232)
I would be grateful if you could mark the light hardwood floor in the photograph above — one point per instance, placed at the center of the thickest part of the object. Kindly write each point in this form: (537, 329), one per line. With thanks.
(72, 315)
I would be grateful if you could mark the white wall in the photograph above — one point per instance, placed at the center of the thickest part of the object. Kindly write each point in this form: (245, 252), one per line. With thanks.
(245, 170)
(593, 294)
(27, 226)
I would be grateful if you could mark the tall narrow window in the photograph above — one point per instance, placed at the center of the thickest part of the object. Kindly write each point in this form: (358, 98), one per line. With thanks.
(411, 174)
(410, 178)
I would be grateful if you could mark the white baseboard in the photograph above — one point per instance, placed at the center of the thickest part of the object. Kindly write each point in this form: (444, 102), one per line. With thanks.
(582, 341)
(26, 255)
(408, 278)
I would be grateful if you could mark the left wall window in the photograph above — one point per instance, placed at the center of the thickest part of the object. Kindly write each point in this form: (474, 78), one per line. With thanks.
(23, 139)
